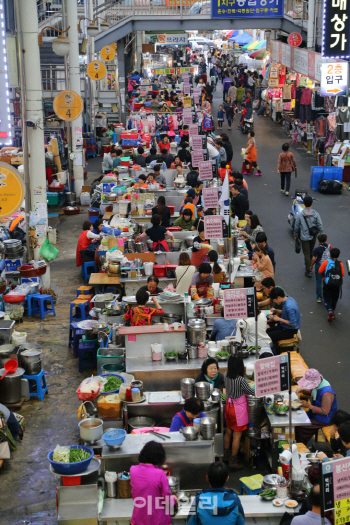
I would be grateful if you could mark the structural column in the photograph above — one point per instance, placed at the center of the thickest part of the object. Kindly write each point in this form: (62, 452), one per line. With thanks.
(254, 35)
(139, 40)
(74, 76)
(262, 35)
(34, 110)
(311, 24)
(121, 78)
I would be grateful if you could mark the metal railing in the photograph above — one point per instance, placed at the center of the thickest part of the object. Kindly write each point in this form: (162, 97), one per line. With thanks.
(53, 79)
(51, 9)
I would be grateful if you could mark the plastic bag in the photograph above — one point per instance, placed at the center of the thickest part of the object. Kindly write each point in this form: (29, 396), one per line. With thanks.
(90, 385)
(48, 251)
(110, 476)
(61, 454)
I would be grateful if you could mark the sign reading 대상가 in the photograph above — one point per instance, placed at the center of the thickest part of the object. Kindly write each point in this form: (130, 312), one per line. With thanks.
(197, 142)
(210, 197)
(205, 169)
(197, 157)
(213, 227)
(271, 375)
(336, 29)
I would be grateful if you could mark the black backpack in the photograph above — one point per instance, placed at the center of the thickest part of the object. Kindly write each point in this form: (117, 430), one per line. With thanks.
(330, 187)
(333, 276)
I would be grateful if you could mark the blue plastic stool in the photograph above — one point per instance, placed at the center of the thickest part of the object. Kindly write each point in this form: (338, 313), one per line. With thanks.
(87, 355)
(85, 290)
(75, 335)
(80, 311)
(249, 491)
(29, 302)
(42, 308)
(41, 386)
(87, 269)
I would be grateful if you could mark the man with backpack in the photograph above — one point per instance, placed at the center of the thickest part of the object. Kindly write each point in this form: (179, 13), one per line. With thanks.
(307, 225)
(217, 505)
(333, 273)
(320, 254)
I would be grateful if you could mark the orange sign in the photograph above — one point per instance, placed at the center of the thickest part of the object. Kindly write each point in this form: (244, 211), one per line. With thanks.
(11, 190)
(96, 70)
(68, 105)
(107, 53)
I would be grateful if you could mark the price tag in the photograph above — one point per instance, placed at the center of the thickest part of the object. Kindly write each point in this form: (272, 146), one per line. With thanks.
(187, 119)
(187, 89)
(271, 374)
(193, 129)
(341, 163)
(310, 136)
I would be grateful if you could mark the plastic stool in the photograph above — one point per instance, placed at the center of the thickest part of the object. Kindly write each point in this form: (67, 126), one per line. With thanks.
(88, 290)
(42, 308)
(41, 386)
(75, 336)
(248, 490)
(295, 139)
(89, 265)
(29, 298)
(87, 350)
(80, 310)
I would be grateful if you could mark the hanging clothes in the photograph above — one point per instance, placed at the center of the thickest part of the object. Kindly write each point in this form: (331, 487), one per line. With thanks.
(342, 118)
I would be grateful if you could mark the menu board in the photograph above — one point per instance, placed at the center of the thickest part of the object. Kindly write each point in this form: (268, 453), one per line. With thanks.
(187, 119)
(187, 102)
(271, 374)
(205, 168)
(210, 197)
(197, 157)
(336, 489)
(239, 303)
(213, 227)
(187, 89)
(197, 142)
(185, 77)
(193, 129)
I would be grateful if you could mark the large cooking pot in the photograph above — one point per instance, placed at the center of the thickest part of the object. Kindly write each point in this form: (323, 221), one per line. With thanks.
(6, 352)
(175, 246)
(140, 247)
(256, 415)
(179, 185)
(196, 332)
(174, 484)
(10, 386)
(91, 429)
(271, 480)
(130, 245)
(125, 182)
(101, 299)
(189, 240)
(31, 361)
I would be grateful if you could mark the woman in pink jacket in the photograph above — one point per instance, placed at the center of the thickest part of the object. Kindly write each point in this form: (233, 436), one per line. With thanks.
(153, 501)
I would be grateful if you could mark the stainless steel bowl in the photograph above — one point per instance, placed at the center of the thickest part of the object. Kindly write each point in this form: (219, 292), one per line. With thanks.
(149, 245)
(171, 318)
(111, 197)
(140, 421)
(189, 241)
(175, 246)
(216, 395)
(190, 433)
(312, 458)
(179, 185)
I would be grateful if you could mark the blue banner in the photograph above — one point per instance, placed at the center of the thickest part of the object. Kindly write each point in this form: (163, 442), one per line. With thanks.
(247, 8)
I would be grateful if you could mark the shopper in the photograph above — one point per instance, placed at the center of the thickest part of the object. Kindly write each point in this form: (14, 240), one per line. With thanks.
(226, 84)
(232, 92)
(239, 201)
(307, 225)
(255, 229)
(140, 159)
(261, 241)
(152, 285)
(220, 116)
(262, 266)
(288, 318)
(219, 273)
(152, 155)
(217, 504)
(141, 314)
(158, 177)
(184, 273)
(236, 411)
(228, 148)
(285, 166)
(333, 273)
(239, 96)
(251, 155)
(313, 516)
(320, 254)
(162, 210)
(228, 110)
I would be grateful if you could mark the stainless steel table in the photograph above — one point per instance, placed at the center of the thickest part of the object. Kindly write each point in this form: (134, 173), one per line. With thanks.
(299, 419)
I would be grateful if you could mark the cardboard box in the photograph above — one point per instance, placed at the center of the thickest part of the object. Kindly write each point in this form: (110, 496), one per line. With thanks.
(13, 277)
(282, 433)
(11, 265)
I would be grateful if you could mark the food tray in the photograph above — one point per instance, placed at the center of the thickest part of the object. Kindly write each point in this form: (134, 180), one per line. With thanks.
(76, 211)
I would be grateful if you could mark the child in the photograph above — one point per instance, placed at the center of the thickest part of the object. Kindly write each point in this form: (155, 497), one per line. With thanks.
(220, 116)
(320, 254)
(332, 271)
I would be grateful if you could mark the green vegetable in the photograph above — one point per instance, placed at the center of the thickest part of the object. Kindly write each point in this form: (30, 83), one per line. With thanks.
(269, 493)
(113, 383)
(222, 354)
(253, 347)
(223, 397)
(281, 408)
(171, 354)
(78, 454)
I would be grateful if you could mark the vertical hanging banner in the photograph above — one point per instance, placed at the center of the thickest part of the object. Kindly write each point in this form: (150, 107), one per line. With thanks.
(193, 129)
(239, 303)
(197, 142)
(336, 29)
(205, 168)
(213, 227)
(197, 157)
(271, 374)
(210, 197)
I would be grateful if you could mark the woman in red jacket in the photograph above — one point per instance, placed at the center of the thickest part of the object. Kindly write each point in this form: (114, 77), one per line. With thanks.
(86, 237)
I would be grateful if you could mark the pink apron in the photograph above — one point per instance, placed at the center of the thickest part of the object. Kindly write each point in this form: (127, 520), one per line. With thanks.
(241, 410)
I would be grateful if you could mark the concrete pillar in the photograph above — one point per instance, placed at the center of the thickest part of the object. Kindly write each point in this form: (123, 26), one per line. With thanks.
(261, 35)
(121, 79)
(311, 25)
(138, 50)
(74, 76)
(33, 88)
(254, 37)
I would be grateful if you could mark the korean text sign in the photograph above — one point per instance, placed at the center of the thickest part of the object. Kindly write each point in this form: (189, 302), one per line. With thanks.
(193, 129)
(334, 78)
(197, 142)
(213, 227)
(246, 8)
(336, 489)
(336, 29)
(205, 168)
(210, 197)
(271, 375)
(239, 303)
(197, 157)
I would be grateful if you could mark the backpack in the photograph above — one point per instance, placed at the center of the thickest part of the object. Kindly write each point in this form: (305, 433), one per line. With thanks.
(326, 254)
(333, 274)
(207, 124)
(330, 187)
(209, 514)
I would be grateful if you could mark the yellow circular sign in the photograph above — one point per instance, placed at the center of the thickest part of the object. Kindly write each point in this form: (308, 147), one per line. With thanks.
(11, 190)
(68, 105)
(96, 70)
(107, 53)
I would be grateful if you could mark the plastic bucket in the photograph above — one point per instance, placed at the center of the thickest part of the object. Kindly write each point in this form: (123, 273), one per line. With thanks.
(94, 212)
(123, 207)
(124, 161)
(148, 268)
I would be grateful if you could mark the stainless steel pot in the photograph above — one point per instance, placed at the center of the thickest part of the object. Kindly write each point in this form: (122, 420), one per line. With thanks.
(31, 361)
(100, 300)
(71, 198)
(193, 352)
(6, 352)
(125, 182)
(207, 427)
(179, 185)
(175, 246)
(111, 197)
(187, 387)
(149, 245)
(10, 386)
(189, 241)
(130, 245)
(91, 429)
(256, 415)
(140, 247)
(114, 267)
(271, 480)
(215, 395)
(196, 332)
(171, 318)
(174, 484)
(34, 288)
(139, 422)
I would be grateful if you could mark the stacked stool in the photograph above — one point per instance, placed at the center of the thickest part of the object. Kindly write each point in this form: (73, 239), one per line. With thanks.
(40, 388)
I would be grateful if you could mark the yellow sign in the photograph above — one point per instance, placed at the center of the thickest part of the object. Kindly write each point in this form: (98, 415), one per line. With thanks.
(107, 53)
(187, 102)
(11, 190)
(68, 105)
(96, 70)
(113, 46)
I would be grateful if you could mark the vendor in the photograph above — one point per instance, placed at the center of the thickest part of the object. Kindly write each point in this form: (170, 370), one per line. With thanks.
(140, 159)
(162, 210)
(107, 164)
(200, 247)
(322, 406)
(188, 205)
(151, 179)
(164, 145)
(97, 226)
(179, 172)
(196, 192)
(141, 314)
(186, 220)
(141, 183)
(192, 409)
(10, 430)
(86, 237)
(177, 162)
(159, 178)
(202, 283)
(152, 285)
(157, 234)
(210, 373)
(117, 159)
(149, 484)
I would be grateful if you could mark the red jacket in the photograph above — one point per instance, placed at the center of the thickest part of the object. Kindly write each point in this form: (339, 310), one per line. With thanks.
(83, 243)
(164, 146)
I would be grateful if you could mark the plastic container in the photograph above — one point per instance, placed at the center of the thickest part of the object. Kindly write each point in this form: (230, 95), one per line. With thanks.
(135, 393)
(58, 188)
(317, 173)
(172, 209)
(125, 161)
(53, 198)
(94, 212)
(18, 338)
(113, 391)
(114, 437)
(128, 394)
(109, 406)
(122, 391)
(148, 266)
(87, 396)
(71, 481)
(123, 208)
(160, 270)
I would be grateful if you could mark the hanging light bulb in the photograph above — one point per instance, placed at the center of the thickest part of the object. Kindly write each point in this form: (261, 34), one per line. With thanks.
(60, 46)
(92, 29)
(104, 26)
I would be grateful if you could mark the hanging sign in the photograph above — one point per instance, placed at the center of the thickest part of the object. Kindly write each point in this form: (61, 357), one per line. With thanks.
(68, 105)
(11, 190)
(334, 79)
(336, 489)
(295, 39)
(193, 129)
(210, 197)
(271, 374)
(239, 303)
(197, 142)
(107, 53)
(336, 29)
(187, 89)
(168, 39)
(187, 102)
(247, 9)
(187, 119)
(205, 169)
(213, 227)
(96, 70)
(197, 157)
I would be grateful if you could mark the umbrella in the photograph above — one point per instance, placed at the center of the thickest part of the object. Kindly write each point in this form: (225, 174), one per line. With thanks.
(242, 39)
(232, 33)
(258, 54)
(261, 44)
(252, 45)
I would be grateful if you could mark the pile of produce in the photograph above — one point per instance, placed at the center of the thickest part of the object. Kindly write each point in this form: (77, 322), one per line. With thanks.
(69, 455)
(268, 493)
(281, 408)
(222, 354)
(113, 383)
(171, 354)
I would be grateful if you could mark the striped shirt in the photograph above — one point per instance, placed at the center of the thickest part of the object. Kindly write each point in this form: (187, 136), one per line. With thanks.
(235, 388)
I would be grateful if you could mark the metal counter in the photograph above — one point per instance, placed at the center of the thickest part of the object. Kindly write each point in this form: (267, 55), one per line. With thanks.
(299, 419)
(138, 340)
(133, 285)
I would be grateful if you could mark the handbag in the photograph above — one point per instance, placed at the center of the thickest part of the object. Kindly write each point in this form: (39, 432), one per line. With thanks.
(313, 230)
(297, 245)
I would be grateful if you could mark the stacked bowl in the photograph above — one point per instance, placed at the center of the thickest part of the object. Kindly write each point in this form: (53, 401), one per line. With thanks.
(203, 390)
(187, 387)
(207, 427)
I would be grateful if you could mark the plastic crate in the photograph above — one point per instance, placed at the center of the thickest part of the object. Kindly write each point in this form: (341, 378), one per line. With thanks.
(333, 173)
(53, 198)
(326, 173)
(108, 359)
(317, 173)
(159, 270)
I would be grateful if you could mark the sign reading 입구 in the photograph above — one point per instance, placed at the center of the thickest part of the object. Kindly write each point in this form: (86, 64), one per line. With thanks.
(334, 79)
(246, 8)
(336, 29)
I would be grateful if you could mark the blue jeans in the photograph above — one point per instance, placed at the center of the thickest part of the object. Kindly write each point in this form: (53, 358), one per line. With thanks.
(319, 279)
